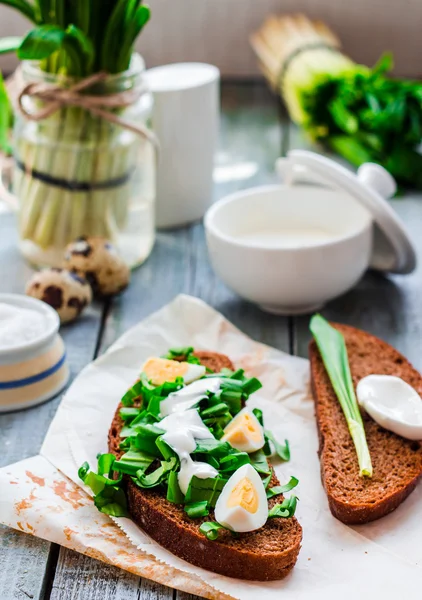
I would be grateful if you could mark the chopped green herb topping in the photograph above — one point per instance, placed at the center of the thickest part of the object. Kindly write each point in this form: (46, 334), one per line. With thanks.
(109, 498)
(284, 510)
(194, 510)
(185, 354)
(282, 489)
(151, 463)
(205, 490)
(210, 529)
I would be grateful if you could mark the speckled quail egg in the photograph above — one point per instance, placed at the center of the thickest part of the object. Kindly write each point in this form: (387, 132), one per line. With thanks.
(98, 261)
(242, 505)
(68, 293)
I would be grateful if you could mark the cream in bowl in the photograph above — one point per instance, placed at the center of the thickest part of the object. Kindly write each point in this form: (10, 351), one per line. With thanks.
(289, 248)
(33, 364)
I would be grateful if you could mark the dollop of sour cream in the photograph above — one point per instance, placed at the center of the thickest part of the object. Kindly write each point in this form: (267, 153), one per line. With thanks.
(19, 325)
(182, 429)
(392, 403)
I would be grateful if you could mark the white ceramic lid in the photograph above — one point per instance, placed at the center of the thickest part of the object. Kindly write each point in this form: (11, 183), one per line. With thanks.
(372, 185)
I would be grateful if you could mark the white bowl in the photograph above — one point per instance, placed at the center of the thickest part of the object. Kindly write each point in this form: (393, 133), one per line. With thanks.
(35, 370)
(289, 249)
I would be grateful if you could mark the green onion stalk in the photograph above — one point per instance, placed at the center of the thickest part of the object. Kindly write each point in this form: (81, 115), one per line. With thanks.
(360, 113)
(333, 351)
(74, 169)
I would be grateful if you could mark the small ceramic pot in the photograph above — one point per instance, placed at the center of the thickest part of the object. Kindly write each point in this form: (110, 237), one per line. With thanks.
(289, 249)
(293, 247)
(36, 370)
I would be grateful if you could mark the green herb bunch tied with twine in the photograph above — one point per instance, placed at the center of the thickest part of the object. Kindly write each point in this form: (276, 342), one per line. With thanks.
(73, 171)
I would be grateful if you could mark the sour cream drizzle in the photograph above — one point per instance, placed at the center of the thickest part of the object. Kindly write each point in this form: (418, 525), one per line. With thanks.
(183, 426)
(189, 396)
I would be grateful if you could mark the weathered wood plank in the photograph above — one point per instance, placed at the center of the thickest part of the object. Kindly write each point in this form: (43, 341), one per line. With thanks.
(387, 306)
(24, 560)
(250, 142)
(82, 578)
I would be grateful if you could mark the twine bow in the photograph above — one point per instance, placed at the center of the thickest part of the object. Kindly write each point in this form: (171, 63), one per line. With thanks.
(56, 97)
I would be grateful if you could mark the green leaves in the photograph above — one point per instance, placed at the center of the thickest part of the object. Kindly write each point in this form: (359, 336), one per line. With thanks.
(5, 118)
(81, 49)
(156, 477)
(133, 394)
(72, 43)
(282, 489)
(174, 493)
(109, 497)
(285, 510)
(133, 461)
(283, 451)
(194, 510)
(205, 490)
(211, 529)
(41, 42)
(360, 113)
(184, 353)
(88, 35)
(333, 351)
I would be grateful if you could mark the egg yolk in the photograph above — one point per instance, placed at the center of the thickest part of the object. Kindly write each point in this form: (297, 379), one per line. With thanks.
(160, 370)
(242, 430)
(245, 495)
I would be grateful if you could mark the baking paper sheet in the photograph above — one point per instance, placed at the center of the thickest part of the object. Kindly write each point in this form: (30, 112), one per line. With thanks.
(44, 497)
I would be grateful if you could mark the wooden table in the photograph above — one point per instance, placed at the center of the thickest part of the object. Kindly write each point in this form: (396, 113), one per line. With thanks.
(254, 133)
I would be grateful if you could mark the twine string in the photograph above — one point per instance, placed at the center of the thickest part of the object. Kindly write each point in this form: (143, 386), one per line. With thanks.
(55, 97)
(317, 45)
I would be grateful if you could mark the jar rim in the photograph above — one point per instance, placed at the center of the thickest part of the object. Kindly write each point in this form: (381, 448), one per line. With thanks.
(32, 72)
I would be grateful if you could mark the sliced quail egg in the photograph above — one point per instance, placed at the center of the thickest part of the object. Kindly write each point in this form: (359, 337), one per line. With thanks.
(244, 432)
(242, 505)
(160, 370)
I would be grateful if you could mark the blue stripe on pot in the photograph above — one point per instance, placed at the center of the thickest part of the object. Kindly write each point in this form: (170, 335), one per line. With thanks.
(18, 383)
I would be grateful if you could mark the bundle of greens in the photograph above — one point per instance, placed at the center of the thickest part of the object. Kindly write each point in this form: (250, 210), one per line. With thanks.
(73, 169)
(358, 112)
(151, 463)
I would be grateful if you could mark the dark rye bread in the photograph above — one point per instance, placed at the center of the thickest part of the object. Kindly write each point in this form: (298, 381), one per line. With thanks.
(397, 462)
(266, 554)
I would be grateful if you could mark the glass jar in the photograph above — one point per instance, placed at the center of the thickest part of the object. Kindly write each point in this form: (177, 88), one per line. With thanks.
(77, 174)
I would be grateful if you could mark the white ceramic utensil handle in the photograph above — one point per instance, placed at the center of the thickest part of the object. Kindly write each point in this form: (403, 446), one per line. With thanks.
(6, 165)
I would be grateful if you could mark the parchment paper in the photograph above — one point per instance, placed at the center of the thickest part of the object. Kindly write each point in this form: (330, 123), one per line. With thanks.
(43, 495)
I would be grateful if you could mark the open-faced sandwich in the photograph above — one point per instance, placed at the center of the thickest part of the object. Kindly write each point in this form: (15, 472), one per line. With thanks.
(369, 415)
(188, 463)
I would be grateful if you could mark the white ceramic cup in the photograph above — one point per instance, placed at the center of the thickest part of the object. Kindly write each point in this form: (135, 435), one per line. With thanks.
(186, 121)
(289, 249)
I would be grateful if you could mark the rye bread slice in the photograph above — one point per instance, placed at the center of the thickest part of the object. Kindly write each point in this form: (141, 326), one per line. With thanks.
(266, 554)
(397, 462)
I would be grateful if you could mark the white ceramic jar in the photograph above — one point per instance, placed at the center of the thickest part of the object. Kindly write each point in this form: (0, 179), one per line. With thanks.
(33, 366)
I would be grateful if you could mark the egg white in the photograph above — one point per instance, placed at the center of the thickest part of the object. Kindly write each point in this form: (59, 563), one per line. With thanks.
(193, 373)
(238, 518)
